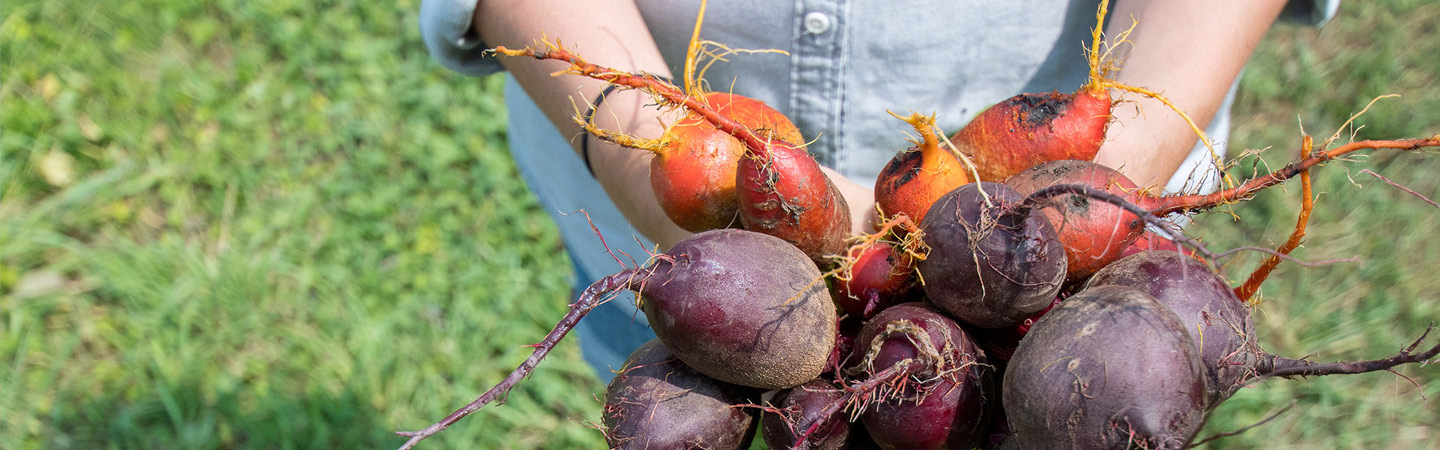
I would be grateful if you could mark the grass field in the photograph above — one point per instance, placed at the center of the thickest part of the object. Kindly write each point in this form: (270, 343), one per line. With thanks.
(279, 225)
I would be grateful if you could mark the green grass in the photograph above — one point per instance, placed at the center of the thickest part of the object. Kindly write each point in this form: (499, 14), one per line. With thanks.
(280, 225)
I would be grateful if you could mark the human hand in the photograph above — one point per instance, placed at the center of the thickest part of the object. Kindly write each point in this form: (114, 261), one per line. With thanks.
(860, 199)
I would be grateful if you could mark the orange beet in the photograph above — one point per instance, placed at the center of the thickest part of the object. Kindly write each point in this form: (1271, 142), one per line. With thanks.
(1094, 233)
(693, 172)
(917, 176)
(1029, 129)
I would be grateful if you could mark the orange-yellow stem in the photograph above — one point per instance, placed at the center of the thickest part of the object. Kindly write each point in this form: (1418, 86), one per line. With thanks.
(1252, 285)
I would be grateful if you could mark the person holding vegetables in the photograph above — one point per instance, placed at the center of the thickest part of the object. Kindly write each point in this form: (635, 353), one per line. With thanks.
(844, 65)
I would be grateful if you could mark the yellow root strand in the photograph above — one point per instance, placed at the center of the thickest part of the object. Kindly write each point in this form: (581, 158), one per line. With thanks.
(1351, 120)
(1096, 40)
(1204, 138)
(622, 139)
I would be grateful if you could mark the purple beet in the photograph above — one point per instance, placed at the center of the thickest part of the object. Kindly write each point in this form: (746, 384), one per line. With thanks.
(656, 402)
(804, 405)
(1207, 308)
(943, 403)
(991, 264)
(1220, 324)
(1108, 368)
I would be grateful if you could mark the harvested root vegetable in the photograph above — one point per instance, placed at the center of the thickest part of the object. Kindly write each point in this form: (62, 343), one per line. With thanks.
(1220, 324)
(1109, 368)
(1026, 129)
(656, 401)
(781, 189)
(742, 307)
(882, 276)
(1094, 233)
(943, 404)
(737, 306)
(990, 264)
(1217, 321)
(783, 193)
(918, 176)
(693, 171)
(797, 408)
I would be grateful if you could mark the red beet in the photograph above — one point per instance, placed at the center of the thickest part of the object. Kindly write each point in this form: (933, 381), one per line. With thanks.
(948, 407)
(784, 194)
(881, 276)
(804, 404)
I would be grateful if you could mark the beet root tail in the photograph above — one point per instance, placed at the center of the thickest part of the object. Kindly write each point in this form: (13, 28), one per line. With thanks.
(1275, 366)
(592, 296)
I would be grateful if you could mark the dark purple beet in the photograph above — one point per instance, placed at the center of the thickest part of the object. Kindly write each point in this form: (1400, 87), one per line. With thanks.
(657, 402)
(945, 408)
(1108, 368)
(804, 404)
(1213, 316)
(988, 266)
(743, 308)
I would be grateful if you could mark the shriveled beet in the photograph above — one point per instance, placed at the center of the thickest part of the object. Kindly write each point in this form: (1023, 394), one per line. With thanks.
(1094, 233)
(1109, 368)
(948, 408)
(989, 265)
(657, 401)
(742, 307)
(804, 404)
(1205, 304)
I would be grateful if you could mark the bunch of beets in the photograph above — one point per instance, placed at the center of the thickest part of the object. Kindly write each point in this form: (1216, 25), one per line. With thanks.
(1016, 296)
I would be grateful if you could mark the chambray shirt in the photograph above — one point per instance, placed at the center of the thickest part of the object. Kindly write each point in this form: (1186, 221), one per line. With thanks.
(848, 63)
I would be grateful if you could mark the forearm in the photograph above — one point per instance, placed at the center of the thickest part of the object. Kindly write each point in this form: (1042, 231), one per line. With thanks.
(607, 32)
(1191, 51)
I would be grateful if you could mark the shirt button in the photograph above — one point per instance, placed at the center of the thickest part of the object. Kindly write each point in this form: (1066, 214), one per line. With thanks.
(817, 23)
